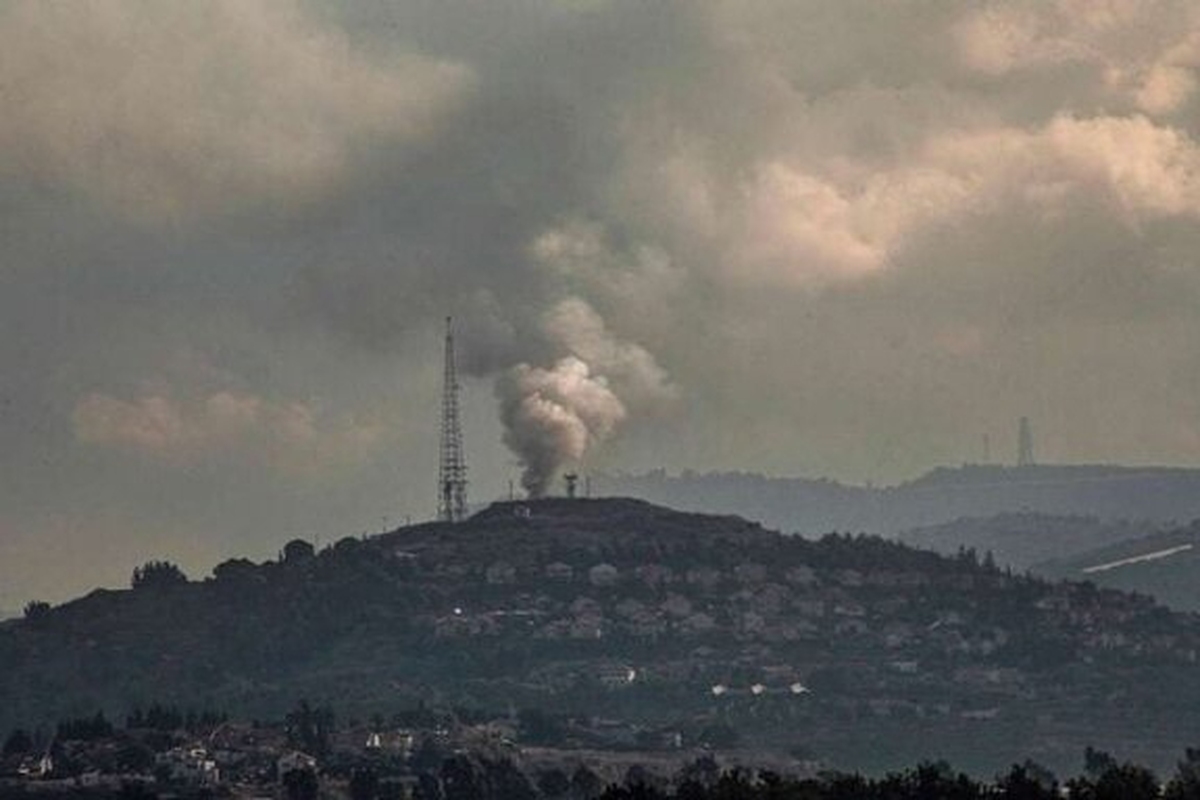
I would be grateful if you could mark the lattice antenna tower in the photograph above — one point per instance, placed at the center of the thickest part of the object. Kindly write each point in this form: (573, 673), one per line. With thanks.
(1024, 443)
(452, 467)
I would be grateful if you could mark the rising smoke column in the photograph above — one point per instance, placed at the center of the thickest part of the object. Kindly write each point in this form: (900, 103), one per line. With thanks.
(552, 416)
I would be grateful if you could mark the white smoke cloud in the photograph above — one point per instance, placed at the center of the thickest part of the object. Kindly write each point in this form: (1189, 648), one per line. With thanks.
(633, 371)
(552, 416)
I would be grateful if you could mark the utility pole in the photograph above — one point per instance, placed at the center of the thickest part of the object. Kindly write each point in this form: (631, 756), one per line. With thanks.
(452, 466)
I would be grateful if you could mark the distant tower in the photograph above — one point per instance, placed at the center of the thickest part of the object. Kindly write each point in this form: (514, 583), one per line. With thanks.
(452, 468)
(572, 481)
(1024, 443)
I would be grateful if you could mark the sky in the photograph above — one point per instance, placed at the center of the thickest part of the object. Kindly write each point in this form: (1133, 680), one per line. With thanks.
(842, 238)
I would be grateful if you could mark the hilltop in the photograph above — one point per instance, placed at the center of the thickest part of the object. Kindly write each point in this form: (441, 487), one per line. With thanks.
(628, 624)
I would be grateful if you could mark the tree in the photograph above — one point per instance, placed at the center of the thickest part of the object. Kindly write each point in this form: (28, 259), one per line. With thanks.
(364, 784)
(553, 783)
(1027, 781)
(36, 610)
(234, 570)
(704, 771)
(460, 779)
(504, 781)
(538, 727)
(300, 784)
(719, 736)
(18, 743)
(85, 729)
(157, 575)
(1127, 782)
(427, 788)
(309, 729)
(297, 551)
(1097, 762)
(585, 784)
(1185, 785)
(426, 757)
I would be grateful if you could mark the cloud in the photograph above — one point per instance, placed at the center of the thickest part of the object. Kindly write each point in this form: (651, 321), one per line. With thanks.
(796, 236)
(291, 437)
(168, 110)
(1133, 53)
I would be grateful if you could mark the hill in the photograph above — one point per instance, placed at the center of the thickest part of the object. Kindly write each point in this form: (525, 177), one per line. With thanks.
(1161, 495)
(1164, 564)
(625, 623)
(1025, 539)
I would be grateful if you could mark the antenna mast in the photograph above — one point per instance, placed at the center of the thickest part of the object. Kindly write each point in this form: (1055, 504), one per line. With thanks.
(452, 468)
(1024, 443)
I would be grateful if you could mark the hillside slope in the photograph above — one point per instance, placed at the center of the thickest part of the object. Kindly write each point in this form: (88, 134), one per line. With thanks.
(1023, 539)
(1165, 564)
(856, 650)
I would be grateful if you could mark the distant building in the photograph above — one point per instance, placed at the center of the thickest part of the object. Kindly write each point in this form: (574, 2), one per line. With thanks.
(560, 572)
(603, 575)
(294, 760)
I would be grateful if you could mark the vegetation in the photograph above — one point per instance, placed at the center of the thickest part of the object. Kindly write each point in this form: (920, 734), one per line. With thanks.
(157, 575)
(680, 630)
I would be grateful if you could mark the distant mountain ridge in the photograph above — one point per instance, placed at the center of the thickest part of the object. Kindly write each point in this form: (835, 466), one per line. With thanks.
(813, 507)
(860, 651)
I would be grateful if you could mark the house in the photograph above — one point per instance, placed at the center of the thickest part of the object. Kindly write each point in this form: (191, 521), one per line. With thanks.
(704, 577)
(980, 714)
(801, 576)
(192, 765)
(616, 676)
(751, 623)
(654, 575)
(559, 572)
(849, 577)
(630, 609)
(40, 767)
(294, 760)
(750, 573)
(603, 575)
(676, 605)
(698, 623)
(500, 572)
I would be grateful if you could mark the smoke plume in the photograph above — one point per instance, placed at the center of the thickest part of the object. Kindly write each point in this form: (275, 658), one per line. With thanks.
(552, 416)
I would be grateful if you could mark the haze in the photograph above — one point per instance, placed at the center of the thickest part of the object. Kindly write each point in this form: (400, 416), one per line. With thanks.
(822, 238)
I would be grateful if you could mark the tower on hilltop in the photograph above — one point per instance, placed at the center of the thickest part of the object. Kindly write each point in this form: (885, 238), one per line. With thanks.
(1024, 443)
(452, 467)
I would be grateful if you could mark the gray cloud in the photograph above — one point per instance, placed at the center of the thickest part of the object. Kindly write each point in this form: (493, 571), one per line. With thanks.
(166, 110)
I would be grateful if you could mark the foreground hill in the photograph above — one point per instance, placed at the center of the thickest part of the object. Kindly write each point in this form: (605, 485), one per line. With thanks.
(815, 507)
(668, 626)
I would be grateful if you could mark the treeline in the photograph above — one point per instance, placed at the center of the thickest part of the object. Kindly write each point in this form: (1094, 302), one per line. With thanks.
(463, 777)
(157, 717)
(1104, 779)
